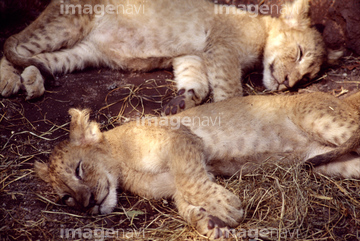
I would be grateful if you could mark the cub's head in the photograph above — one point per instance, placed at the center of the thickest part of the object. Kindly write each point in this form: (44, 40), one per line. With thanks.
(78, 168)
(294, 49)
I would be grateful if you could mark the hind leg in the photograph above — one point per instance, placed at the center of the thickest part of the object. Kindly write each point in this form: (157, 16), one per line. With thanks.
(10, 81)
(347, 166)
(50, 32)
(32, 82)
(65, 61)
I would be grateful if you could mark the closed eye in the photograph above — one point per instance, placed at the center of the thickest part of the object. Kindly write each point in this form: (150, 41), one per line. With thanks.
(79, 171)
(300, 54)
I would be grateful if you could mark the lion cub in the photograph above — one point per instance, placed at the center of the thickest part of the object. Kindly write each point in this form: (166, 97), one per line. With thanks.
(177, 156)
(209, 46)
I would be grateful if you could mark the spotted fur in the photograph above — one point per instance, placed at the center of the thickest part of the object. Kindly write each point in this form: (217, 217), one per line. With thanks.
(177, 156)
(209, 46)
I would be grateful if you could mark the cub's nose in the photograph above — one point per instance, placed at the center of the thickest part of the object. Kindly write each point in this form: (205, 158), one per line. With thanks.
(92, 201)
(287, 82)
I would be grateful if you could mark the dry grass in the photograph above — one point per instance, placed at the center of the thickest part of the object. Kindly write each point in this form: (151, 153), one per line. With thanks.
(297, 204)
(281, 201)
(133, 102)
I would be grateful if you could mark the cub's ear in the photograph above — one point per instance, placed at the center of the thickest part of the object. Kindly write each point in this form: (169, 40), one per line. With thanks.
(82, 131)
(296, 15)
(42, 171)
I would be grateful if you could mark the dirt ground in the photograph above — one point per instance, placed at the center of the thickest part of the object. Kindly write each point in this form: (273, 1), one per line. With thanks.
(300, 205)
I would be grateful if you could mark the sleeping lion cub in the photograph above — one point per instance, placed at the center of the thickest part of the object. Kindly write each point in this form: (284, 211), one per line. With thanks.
(209, 46)
(177, 156)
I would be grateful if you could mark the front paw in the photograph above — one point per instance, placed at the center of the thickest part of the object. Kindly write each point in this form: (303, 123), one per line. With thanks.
(179, 103)
(219, 216)
(225, 205)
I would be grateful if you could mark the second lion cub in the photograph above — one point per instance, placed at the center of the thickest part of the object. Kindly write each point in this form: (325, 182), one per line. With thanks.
(209, 46)
(154, 160)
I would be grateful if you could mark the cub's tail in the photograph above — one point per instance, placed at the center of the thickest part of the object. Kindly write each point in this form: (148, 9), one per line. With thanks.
(351, 145)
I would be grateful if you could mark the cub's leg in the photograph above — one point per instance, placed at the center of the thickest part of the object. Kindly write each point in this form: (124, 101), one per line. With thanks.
(191, 81)
(224, 72)
(212, 209)
(206, 205)
(334, 124)
(205, 224)
(217, 70)
(10, 81)
(347, 166)
(50, 32)
(326, 119)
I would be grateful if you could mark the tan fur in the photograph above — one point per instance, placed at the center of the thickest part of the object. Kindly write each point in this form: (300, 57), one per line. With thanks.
(209, 46)
(177, 156)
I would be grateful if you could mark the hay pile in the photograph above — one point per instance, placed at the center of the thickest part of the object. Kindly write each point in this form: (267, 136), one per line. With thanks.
(287, 202)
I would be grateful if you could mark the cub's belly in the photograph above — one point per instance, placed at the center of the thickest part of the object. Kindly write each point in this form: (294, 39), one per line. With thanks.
(236, 139)
(140, 46)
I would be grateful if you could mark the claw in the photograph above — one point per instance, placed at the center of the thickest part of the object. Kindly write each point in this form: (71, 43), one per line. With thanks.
(217, 221)
(218, 233)
(175, 105)
(183, 101)
(182, 104)
(181, 92)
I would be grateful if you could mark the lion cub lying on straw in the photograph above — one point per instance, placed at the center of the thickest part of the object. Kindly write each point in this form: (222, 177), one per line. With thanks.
(155, 158)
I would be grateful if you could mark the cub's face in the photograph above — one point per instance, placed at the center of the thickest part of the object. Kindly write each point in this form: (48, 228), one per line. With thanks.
(79, 169)
(291, 56)
(294, 49)
(79, 179)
